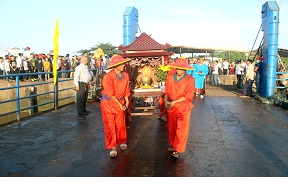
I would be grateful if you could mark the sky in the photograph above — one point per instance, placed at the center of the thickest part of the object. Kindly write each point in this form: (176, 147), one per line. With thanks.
(223, 24)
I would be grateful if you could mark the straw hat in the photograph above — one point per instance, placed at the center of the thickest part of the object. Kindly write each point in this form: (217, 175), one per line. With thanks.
(181, 63)
(117, 60)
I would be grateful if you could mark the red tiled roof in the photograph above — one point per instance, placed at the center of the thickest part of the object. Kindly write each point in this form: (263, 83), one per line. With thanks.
(142, 43)
(146, 54)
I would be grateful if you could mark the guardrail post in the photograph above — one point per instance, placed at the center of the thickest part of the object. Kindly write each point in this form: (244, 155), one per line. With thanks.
(56, 93)
(17, 98)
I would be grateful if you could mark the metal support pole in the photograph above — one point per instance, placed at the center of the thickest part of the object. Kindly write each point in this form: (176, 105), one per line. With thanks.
(56, 104)
(17, 98)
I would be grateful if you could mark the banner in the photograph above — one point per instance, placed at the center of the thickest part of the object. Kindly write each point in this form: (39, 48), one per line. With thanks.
(56, 51)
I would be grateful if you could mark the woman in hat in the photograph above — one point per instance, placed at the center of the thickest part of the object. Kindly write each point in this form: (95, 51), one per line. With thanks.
(179, 94)
(114, 103)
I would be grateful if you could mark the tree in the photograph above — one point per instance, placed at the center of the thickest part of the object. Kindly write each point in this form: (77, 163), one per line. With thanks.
(108, 49)
(230, 56)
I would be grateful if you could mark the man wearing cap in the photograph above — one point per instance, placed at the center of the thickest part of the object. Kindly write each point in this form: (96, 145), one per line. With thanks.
(114, 103)
(249, 79)
(82, 78)
(179, 94)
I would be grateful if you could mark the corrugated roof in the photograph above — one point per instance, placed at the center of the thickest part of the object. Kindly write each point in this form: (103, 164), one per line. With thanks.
(143, 43)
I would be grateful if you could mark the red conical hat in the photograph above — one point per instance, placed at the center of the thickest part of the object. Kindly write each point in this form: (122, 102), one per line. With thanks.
(117, 60)
(181, 63)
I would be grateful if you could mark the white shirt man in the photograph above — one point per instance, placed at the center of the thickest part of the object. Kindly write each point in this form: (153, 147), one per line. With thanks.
(7, 66)
(240, 67)
(19, 61)
(225, 67)
(25, 66)
(2, 65)
(27, 53)
(82, 78)
(243, 65)
(82, 74)
(216, 68)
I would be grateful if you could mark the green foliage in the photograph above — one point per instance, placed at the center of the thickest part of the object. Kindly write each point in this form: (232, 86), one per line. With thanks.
(162, 72)
(230, 56)
(108, 49)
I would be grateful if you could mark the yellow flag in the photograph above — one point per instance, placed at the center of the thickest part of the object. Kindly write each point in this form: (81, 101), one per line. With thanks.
(56, 50)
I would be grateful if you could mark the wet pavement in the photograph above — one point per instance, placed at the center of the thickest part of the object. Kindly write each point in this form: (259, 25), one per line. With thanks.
(229, 137)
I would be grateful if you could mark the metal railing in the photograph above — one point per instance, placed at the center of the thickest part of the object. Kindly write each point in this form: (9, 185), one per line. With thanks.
(18, 86)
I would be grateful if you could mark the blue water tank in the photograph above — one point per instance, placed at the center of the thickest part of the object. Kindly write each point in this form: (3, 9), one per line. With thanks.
(270, 24)
(130, 25)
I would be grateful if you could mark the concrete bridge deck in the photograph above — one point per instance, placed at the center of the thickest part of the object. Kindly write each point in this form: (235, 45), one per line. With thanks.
(229, 137)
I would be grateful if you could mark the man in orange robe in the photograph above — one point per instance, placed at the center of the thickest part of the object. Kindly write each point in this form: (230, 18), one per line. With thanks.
(179, 94)
(114, 103)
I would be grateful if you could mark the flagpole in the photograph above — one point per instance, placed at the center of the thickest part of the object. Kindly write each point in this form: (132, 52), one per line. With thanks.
(55, 57)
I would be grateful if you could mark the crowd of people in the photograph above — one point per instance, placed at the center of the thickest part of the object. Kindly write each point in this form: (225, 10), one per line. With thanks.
(33, 63)
(246, 73)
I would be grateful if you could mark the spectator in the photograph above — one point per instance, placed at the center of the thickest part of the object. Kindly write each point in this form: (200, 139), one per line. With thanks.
(232, 68)
(26, 68)
(220, 70)
(225, 67)
(240, 71)
(192, 71)
(63, 67)
(215, 73)
(67, 64)
(82, 82)
(201, 70)
(50, 59)
(39, 68)
(74, 64)
(19, 61)
(7, 67)
(2, 70)
(249, 78)
(13, 67)
(33, 69)
(47, 68)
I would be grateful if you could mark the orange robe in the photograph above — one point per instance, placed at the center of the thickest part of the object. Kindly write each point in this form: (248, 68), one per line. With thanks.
(162, 108)
(178, 117)
(113, 117)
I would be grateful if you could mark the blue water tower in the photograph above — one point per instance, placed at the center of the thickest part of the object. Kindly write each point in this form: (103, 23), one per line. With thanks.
(130, 25)
(270, 24)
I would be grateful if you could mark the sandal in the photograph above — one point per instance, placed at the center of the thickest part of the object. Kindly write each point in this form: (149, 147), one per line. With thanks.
(170, 148)
(123, 146)
(113, 154)
(175, 154)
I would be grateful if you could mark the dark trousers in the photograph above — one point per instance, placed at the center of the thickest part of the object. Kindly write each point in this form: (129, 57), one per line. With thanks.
(247, 88)
(82, 96)
(13, 72)
(239, 81)
(26, 77)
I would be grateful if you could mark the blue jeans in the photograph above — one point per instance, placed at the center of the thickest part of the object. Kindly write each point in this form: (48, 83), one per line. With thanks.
(215, 79)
